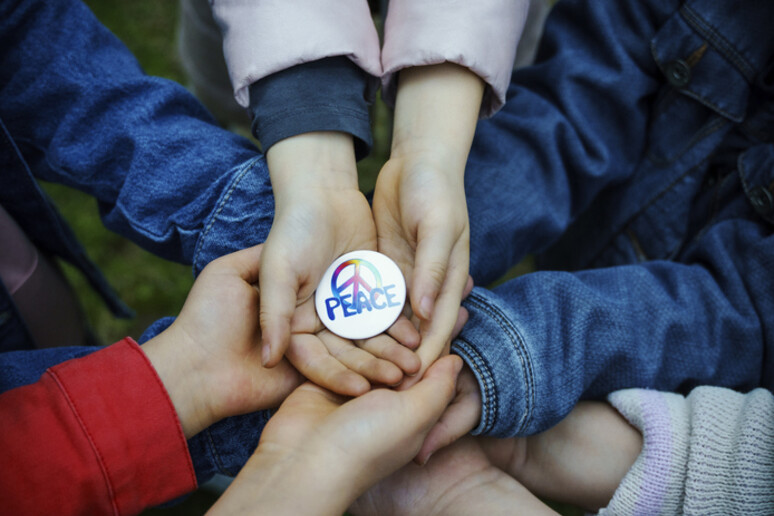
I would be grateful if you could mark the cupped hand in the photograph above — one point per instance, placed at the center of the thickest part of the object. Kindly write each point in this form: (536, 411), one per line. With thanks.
(459, 480)
(320, 215)
(422, 224)
(419, 200)
(209, 359)
(320, 450)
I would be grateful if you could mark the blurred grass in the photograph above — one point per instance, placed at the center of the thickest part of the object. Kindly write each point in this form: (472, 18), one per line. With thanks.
(152, 286)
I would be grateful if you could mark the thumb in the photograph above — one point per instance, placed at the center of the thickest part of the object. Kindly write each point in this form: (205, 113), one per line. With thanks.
(279, 294)
(430, 265)
(430, 396)
(246, 263)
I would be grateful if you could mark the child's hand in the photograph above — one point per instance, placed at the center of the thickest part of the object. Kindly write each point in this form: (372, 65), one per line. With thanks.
(347, 367)
(419, 201)
(320, 451)
(459, 480)
(209, 359)
(580, 461)
(319, 215)
(460, 417)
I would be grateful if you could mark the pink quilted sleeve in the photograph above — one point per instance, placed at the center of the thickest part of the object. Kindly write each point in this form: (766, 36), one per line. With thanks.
(480, 35)
(261, 37)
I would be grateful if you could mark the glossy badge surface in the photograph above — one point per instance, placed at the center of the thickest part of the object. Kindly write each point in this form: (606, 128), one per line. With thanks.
(360, 295)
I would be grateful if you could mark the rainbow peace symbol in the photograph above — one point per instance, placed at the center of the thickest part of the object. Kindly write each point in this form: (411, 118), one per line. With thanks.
(360, 295)
(356, 280)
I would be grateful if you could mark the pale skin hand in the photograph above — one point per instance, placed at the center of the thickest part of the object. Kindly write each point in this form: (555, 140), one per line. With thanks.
(320, 451)
(580, 461)
(419, 200)
(209, 359)
(459, 480)
(320, 215)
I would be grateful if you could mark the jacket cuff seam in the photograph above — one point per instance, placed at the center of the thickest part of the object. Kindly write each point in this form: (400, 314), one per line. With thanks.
(98, 455)
(512, 334)
(485, 380)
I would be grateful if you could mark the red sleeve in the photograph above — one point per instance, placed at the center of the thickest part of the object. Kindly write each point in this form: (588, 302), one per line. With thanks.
(95, 435)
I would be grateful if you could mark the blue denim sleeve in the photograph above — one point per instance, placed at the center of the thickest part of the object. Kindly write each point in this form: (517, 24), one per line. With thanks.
(85, 115)
(331, 94)
(541, 161)
(541, 342)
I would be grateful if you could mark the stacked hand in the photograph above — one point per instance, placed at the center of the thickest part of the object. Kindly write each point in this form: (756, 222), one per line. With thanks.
(320, 215)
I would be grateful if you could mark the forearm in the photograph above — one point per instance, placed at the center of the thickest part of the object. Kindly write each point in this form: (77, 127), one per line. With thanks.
(149, 153)
(490, 492)
(287, 482)
(436, 110)
(541, 342)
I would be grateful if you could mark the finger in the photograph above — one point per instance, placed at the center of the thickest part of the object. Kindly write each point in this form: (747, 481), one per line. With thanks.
(430, 397)
(361, 361)
(404, 332)
(437, 332)
(458, 419)
(246, 263)
(279, 293)
(462, 318)
(468, 287)
(434, 250)
(312, 359)
(384, 347)
(305, 318)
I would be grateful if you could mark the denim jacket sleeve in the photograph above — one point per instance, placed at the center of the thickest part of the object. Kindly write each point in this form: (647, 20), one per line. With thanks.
(84, 114)
(550, 150)
(541, 342)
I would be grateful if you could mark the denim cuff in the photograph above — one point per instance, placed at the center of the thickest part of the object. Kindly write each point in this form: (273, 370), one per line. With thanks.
(242, 216)
(226, 446)
(494, 348)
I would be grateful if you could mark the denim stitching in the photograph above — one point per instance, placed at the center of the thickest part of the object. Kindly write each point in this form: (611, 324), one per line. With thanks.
(518, 343)
(719, 41)
(220, 207)
(479, 364)
(218, 460)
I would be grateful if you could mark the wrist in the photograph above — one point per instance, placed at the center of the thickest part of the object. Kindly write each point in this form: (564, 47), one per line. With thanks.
(312, 160)
(283, 481)
(180, 372)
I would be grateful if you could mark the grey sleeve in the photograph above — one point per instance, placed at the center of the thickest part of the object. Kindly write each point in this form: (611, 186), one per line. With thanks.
(331, 94)
(709, 453)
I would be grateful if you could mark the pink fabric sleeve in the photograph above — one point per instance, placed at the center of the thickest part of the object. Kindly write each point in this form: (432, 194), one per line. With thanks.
(261, 37)
(481, 36)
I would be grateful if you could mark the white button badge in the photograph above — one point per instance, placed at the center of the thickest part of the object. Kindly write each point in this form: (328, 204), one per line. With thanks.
(360, 295)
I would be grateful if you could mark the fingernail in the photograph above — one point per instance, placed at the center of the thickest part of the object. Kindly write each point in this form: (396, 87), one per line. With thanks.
(265, 354)
(426, 307)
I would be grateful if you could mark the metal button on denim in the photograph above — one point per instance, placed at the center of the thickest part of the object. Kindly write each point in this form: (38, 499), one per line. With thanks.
(762, 201)
(678, 73)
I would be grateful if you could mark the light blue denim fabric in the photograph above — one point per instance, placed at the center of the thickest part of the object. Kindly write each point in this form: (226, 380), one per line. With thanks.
(636, 158)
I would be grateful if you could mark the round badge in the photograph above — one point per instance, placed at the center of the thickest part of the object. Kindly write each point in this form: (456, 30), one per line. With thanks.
(360, 295)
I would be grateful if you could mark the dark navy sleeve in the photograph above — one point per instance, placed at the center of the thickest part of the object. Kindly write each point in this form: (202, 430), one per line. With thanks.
(331, 94)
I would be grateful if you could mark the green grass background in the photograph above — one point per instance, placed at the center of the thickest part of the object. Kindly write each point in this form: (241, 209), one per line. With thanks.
(151, 286)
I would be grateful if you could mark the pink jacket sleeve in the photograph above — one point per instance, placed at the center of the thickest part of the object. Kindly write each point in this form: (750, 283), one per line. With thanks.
(480, 35)
(261, 37)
